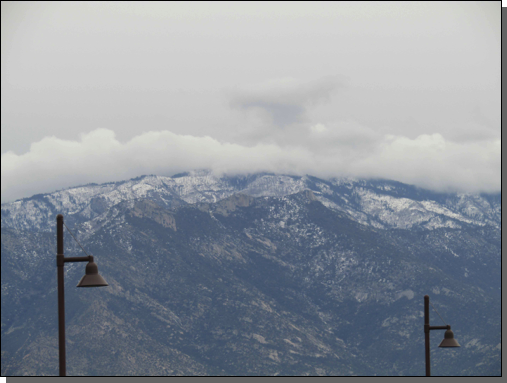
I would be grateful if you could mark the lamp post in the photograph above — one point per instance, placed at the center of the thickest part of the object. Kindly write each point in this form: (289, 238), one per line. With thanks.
(448, 341)
(91, 278)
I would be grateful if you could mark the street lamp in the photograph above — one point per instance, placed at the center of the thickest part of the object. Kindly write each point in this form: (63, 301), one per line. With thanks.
(91, 278)
(448, 341)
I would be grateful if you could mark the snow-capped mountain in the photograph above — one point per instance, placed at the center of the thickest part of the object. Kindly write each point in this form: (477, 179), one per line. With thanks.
(379, 203)
(257, 274)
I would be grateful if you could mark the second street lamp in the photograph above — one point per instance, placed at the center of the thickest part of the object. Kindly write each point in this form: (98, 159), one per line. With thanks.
(448, 341)
(92, 278)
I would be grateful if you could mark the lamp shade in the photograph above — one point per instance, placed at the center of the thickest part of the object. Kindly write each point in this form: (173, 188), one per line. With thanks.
(92, 277)
(449, 340)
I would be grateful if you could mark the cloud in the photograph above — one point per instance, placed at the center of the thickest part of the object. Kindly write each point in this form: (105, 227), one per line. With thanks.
(285, 100)
(345, 149)
(98, 156)
(432, 162)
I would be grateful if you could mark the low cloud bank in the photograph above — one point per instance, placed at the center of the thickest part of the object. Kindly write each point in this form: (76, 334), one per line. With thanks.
(428, 161)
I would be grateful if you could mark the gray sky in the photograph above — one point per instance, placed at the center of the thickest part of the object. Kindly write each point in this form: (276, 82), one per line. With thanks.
(105, 91)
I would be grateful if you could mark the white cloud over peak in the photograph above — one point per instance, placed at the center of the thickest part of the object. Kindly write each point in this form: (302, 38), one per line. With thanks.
(427, 161)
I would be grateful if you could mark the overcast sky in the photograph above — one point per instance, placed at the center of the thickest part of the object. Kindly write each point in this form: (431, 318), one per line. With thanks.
(106, 91)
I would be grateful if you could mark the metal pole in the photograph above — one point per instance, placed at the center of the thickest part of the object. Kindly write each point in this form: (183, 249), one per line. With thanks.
(427, 332)
(61, 297)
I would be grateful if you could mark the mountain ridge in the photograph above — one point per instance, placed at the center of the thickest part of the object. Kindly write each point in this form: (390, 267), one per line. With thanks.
(362, 199)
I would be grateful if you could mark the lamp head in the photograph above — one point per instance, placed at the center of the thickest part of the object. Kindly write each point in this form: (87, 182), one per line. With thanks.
(449, 340)
(92, 278)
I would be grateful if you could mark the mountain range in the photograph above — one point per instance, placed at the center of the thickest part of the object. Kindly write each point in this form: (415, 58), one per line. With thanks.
(258, 274)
